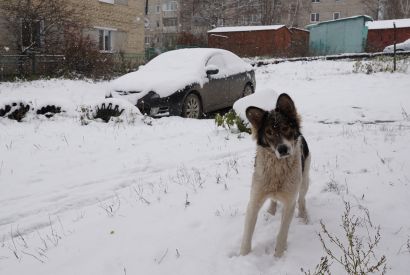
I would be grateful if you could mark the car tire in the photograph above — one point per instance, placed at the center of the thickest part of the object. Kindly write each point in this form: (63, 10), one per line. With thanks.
(248, 90)
(192, 107)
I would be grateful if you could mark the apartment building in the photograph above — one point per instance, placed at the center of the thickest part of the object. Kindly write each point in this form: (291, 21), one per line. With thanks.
(117, 26)
(267, 12)
(325, 10)
(162, 24)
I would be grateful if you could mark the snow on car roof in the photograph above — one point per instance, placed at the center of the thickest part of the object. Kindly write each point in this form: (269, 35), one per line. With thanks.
(174, 70)
(246, 28)
(388, 24)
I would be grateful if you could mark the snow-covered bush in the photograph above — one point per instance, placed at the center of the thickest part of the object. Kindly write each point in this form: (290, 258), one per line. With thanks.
(381, 64)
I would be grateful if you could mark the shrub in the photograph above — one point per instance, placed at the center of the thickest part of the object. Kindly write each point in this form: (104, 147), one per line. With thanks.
(231, 121)
(356, 254)
(380, 64)
(84, 59)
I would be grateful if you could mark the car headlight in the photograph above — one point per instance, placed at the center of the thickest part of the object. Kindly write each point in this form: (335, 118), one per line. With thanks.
(153, 95)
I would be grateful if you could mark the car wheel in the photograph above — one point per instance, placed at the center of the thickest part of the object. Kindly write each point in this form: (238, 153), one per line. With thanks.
(248, 90)
(192, 107)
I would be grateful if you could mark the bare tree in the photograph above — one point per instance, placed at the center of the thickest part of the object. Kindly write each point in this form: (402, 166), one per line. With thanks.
(210, 13)
(396, 9)
(40, 25)
(388, 9)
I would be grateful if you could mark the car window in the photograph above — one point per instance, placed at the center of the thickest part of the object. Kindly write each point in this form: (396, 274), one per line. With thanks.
(218, 61)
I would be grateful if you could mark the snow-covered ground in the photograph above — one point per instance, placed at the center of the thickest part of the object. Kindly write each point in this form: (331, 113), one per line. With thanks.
(170, 198)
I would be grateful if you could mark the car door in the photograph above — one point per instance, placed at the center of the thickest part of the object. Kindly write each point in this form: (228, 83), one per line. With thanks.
(216, 92)
(237, 84)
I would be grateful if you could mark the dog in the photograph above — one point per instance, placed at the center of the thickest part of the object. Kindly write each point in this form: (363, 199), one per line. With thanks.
(281, 169)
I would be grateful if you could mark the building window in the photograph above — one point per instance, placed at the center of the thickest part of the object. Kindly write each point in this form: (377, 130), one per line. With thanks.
(158, 24)
(336, 15)
(31, 33)
(105, 40)
(314, 17)
(170, 6)
(148, 39)
(158, 8)
(169, 22)
(315, 1)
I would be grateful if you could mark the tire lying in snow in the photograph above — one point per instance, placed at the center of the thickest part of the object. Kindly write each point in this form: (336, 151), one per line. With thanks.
(49, 110)
(105, 112)
(15, 111)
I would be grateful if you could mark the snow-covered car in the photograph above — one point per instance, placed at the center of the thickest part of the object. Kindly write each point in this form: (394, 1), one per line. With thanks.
(187, 82)
(404, 46)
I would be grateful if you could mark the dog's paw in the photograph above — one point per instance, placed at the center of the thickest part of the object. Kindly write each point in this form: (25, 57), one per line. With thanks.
(279, 251)
(303, 216)
(245, 250)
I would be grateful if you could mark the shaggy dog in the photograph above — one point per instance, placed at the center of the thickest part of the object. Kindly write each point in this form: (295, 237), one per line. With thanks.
(281, 168)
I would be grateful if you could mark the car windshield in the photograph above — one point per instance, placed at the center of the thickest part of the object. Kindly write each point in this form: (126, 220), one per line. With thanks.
(178, 60)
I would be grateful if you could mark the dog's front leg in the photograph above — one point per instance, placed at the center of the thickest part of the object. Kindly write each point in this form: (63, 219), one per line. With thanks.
(254, 205)
(287, 215)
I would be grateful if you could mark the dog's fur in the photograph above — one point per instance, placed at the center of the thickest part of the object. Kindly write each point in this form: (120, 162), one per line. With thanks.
(281, 168)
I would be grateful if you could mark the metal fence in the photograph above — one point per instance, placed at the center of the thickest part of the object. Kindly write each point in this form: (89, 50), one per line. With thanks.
(28, 65)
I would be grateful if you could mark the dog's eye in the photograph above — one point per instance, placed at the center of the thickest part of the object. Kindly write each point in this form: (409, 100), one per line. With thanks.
(285, 129)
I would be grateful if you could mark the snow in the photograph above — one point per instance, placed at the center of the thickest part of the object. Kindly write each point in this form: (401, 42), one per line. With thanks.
(177, 69)
(264, 99)
(246, 28)
(388, 24)
(169, 196)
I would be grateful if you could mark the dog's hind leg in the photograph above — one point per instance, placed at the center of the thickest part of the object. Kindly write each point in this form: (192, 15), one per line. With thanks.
(255, 203)
(272, 207)
(287, 215)
(302, 192)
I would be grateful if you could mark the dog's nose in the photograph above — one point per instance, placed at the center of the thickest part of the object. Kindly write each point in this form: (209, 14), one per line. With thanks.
(283, 149)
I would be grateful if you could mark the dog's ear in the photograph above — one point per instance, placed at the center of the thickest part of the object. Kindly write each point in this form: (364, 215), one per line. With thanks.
(286, 106)
(255, 116)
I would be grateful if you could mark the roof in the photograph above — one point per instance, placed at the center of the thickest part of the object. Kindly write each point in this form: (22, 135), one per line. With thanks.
(366, 18)
(388, 24)
(246, 28)
(298, 29)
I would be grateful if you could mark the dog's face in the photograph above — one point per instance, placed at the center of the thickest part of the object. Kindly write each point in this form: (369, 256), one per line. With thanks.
(278, 129)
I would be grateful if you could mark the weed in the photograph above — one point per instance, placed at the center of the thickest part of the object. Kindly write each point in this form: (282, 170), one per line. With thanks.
(232, 122)
(356, 254)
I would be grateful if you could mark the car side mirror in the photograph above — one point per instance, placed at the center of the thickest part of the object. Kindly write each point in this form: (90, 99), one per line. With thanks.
(211, 70)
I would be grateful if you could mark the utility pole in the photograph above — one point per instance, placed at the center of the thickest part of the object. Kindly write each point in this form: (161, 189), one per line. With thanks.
(395, 41)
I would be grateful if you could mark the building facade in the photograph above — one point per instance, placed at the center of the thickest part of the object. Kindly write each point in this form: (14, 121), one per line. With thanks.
(162, 24)
(325, 10)
(117, 26)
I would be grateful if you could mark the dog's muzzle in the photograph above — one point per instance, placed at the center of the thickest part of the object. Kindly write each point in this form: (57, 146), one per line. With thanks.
(282, 151)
